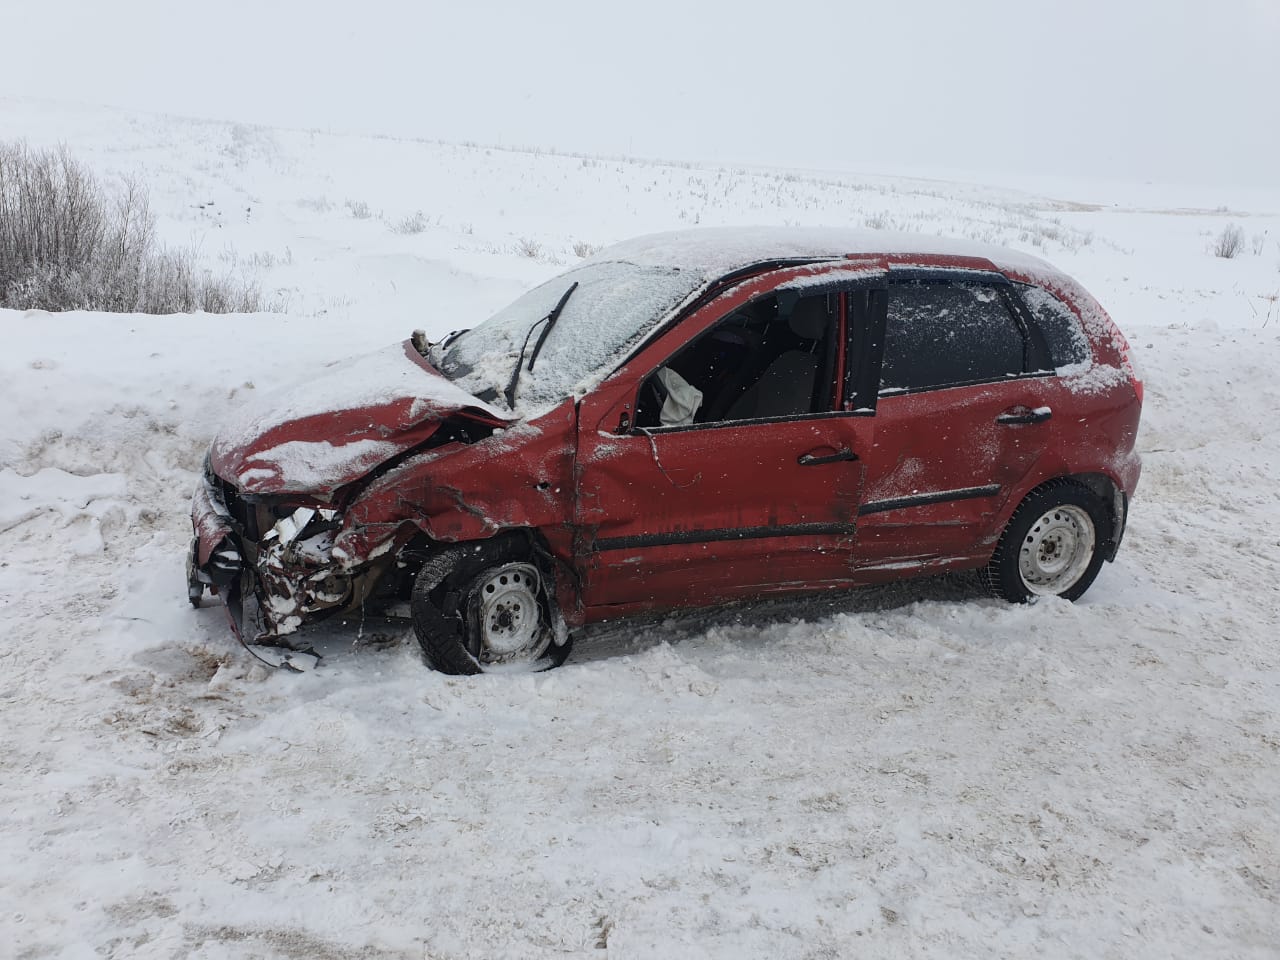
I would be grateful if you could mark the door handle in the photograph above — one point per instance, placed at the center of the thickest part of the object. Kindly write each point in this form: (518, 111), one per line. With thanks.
(809, 460)
(1038, 415)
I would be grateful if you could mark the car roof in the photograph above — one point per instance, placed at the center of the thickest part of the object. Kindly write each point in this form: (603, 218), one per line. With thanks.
(716, 251)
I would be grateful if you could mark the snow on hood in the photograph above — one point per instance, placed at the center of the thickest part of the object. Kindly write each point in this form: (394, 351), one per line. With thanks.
(336, 426)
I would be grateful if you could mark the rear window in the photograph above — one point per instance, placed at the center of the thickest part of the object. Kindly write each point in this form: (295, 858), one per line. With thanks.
(1061, 328)
(939, 334)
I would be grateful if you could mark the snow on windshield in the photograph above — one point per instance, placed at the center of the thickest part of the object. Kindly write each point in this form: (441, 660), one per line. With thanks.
(615, 306)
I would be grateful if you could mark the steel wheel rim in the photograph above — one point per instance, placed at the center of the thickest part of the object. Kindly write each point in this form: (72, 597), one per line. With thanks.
(509, 614)
(1057, 550)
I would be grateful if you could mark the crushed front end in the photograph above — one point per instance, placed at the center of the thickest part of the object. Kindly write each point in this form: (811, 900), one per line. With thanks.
(292, 464)
(270, 559)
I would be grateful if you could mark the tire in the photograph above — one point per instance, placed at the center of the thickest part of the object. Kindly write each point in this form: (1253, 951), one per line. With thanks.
(1053, 546)
(477, 608)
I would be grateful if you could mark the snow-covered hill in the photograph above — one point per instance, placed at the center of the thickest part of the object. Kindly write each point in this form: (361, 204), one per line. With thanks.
(915, 771)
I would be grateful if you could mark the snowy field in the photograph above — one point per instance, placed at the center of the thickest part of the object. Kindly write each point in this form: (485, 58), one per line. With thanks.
(910, 772)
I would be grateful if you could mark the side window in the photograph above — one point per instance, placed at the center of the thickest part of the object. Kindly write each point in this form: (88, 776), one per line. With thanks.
(769, 358)
(939, 334)
(1061, 328)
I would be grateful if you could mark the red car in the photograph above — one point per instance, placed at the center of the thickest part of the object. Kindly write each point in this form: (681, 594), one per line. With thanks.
(683, 420)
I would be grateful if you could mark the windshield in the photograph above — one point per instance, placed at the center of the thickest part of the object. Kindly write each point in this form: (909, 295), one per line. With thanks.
(615, 306)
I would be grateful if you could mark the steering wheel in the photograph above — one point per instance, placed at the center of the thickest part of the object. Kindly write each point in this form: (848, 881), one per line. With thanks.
(653, 396)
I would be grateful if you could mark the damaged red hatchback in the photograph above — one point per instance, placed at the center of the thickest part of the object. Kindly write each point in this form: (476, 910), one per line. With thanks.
(683, 420)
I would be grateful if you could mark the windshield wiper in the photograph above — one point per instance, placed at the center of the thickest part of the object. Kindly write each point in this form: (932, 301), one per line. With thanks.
(550, 321)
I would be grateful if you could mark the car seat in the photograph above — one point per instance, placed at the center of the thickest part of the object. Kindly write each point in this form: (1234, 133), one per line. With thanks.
(786, 386)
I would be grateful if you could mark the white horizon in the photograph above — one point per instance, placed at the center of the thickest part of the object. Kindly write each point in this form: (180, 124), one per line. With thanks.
(1179, 92)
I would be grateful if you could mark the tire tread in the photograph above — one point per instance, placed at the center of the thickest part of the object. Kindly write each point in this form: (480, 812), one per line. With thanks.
(443, 638)
(1000, 577)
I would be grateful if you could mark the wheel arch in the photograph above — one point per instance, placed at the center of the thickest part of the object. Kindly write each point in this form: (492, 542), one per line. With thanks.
(563, 579)
(441, 596)
(1112, 494)
(1104, 487)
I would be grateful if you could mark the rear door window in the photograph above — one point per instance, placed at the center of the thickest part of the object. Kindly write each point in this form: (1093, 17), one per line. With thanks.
(1061, 328)
(940, 334)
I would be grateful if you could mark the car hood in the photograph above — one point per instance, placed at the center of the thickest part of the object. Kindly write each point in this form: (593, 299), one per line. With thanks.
(336, 426)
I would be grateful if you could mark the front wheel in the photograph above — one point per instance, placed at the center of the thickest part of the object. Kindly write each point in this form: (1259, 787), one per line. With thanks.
(1053, 545)
(477, 609)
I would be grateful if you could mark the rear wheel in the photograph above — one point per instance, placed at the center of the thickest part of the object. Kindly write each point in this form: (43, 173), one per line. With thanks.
(477, 609)
(1053, 545)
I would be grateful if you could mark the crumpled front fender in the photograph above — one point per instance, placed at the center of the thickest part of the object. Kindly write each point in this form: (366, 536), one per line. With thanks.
(362, 543)
(210, 522)
(520, 477)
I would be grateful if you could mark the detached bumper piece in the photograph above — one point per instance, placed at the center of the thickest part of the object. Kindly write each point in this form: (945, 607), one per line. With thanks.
(270, 583)
(233, 582)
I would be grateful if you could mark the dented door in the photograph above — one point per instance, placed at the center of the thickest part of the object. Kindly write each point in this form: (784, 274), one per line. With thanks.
(694, 516)
(686, 515)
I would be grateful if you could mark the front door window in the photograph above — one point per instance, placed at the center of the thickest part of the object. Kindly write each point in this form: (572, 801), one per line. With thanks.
(771, 358)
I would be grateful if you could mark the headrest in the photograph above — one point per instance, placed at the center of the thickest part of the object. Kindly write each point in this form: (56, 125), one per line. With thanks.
(809, 318)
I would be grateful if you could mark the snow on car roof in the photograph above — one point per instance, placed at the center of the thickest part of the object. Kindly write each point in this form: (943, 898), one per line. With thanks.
(626, 290)
(714, 251)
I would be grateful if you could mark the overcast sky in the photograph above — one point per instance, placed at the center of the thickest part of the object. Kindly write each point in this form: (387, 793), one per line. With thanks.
(1163, 90)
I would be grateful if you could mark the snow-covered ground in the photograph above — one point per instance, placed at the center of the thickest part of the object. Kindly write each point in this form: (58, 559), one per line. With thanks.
(910, 772)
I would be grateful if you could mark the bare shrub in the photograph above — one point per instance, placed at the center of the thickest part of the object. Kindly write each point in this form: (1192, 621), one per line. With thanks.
(528, 247)
(174, 283)
(583, 249)
(415, 222)
(1259, 243)
(68, 244)
(359, 209)
(1229, 243)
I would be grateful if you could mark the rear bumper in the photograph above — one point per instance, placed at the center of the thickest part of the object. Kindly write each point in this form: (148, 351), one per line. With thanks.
(1120, 521)
(1128, 471)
